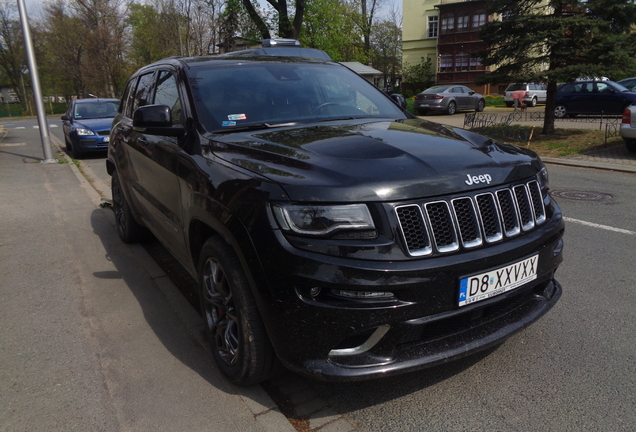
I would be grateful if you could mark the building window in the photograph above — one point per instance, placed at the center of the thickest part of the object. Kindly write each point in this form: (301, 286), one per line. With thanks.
(461, 61)
(462, 22)
(479, 20)
(475, 63)
(433, 23)
(448, 24)
(445, 62)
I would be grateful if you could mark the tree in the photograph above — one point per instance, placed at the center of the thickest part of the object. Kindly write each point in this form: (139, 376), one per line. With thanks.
(420, 76)
(287, 27)
(105, 70)
(364, 19)
(386, 47)
(12, 55)
(557, 41)
(330, 26)
(61, 35)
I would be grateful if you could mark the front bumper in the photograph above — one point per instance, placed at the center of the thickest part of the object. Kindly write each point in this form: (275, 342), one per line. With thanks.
(421, 327)
(95, 143)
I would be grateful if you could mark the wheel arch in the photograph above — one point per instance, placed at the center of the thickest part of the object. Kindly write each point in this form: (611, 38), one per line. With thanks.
(205, 222)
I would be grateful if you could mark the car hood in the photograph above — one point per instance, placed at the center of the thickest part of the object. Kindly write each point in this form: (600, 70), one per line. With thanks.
(375, 160)
(96, 124)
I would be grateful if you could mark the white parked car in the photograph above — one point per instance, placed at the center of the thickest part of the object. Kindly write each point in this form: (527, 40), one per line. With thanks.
(628, 127)
(537, 93)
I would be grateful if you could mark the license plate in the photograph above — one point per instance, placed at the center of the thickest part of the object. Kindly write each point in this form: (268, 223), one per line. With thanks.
(497, 281)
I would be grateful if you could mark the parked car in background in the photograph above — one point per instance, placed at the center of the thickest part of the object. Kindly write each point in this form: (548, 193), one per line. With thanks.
(628, 127)
(592, 97)
(628, 83)
(536, 93)
(449, 100)
(326, 226)
(86, 125)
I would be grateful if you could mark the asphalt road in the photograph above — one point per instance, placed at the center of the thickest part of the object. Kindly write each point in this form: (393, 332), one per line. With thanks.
(574, 370)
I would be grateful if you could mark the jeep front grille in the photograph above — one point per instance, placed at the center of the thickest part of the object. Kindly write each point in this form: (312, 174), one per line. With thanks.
(467, 222)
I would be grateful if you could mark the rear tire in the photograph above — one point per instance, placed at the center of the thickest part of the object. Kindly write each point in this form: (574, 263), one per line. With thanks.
(631, 145)
(240, 344)
(129, 230)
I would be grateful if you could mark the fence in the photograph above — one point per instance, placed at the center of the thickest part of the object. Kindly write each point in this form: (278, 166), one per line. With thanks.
(511, 125)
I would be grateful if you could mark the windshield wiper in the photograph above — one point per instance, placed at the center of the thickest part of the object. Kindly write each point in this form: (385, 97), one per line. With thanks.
(255, 126)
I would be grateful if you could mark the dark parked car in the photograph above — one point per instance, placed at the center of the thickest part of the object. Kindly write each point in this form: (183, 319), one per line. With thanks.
(449, 100)
(592, 97)
(628, 83)
(87, 125)
(330, 230)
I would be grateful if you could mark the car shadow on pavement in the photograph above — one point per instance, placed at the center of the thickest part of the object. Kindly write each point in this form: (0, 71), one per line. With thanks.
(169, 316)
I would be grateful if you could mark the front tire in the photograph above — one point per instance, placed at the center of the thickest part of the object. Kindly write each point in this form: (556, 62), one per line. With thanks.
(560, 111)
(129, 230)
(452, 108)
(240, 344)
(533, 102)
(480, 105)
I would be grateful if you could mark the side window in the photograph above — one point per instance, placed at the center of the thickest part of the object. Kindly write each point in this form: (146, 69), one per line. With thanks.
(167, 93)
(143, 93)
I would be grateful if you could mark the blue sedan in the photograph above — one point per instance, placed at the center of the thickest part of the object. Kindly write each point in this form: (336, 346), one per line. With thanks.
(593, 97)
(87, 125)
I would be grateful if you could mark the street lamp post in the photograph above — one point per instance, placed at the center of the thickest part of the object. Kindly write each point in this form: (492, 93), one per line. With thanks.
(35, 82)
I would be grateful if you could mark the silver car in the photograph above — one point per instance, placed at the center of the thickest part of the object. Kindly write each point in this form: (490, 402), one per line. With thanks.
(536, 93)
(628, 127)
(448, 99)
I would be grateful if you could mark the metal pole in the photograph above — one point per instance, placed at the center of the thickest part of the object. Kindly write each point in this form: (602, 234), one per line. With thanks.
(35, 82)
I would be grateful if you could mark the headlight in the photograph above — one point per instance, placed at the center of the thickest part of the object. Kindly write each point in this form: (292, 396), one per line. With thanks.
(323, 220)
(84, 132)
(542, 179)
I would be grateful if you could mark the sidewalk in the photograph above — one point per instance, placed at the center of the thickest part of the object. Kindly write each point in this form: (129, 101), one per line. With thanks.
(95, 335)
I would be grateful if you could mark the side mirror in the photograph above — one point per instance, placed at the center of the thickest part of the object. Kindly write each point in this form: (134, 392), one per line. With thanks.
(156, 120)
(65, 118)
(399, 100)
(471, 93)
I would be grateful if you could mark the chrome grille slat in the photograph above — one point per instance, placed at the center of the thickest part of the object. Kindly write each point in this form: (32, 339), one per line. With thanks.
(442, 226)
(446, 226)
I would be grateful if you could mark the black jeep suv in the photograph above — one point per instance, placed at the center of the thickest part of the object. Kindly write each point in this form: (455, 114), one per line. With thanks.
(330, 230)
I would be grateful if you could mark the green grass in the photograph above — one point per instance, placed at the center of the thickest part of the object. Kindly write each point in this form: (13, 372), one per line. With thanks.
(563, 142)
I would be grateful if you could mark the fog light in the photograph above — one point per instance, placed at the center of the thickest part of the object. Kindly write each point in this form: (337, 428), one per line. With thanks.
(376, 295)
(315, 291)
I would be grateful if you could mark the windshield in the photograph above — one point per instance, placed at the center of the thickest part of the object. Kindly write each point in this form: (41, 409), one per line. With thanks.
(235, 96)
(94, 110)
